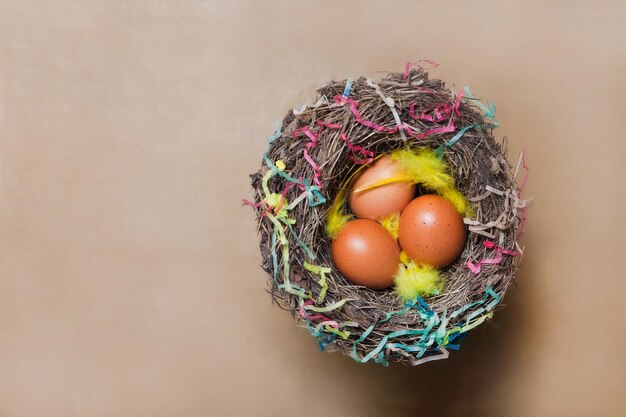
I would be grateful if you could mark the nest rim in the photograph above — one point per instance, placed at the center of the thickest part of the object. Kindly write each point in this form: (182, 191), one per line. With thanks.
(478, 163)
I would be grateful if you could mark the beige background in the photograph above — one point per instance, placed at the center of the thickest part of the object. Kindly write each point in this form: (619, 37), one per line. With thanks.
(129, 278)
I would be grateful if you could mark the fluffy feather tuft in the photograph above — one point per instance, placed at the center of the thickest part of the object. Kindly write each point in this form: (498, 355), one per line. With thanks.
(425, 168)
(391, 224)
(414, 280)
(336, 218)
(458, 200)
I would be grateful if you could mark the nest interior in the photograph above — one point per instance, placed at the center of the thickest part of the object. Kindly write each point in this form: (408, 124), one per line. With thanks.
(481, 171)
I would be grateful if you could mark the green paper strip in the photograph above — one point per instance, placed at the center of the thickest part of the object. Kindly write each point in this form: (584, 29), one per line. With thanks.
(321, 271)
(328, 308)
(344, 334)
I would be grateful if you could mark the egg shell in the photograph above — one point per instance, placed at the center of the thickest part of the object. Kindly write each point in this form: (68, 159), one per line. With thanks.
(366, 254)
(382, 201)
(431, 231)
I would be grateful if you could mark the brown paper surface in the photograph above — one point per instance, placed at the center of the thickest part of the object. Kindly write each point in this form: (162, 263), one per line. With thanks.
(129, 278)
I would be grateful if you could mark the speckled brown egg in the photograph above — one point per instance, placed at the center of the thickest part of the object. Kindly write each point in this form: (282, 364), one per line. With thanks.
(366, 254)
(382, 201)
(431, 231)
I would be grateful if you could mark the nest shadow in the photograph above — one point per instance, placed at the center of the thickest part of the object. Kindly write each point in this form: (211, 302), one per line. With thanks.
(466, 383)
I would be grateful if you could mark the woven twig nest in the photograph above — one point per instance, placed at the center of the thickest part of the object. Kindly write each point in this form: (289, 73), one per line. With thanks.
(311, 156)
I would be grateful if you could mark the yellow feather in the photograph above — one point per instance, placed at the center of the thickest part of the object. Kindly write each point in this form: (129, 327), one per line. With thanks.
(458, 200)
(404, 258)
(425, 168)
(391, 224)
(413, 280)
(382, 182)
(336, 219)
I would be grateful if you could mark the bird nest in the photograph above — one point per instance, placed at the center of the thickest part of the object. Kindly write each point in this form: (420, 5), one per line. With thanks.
(319, 146)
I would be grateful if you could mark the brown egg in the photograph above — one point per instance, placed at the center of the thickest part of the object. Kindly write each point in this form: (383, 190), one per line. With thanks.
(431, 231)
(366, 254)
(382, 201)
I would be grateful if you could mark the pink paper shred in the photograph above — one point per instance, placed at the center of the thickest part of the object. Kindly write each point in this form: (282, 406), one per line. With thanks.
(354, 108)
(409, 65)
(476, 267)
(313, 137)
(307, 316)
